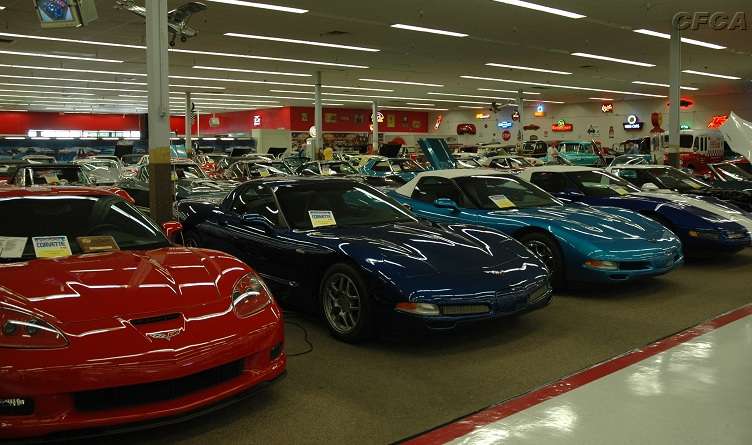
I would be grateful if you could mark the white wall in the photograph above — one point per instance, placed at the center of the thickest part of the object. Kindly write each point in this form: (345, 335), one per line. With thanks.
(583, 115)
(272, 138)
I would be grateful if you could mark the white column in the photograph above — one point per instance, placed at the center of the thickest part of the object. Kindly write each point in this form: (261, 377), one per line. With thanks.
(375, 120)
(674, 97)
(521, 110)
(188, 122)
(318, 116)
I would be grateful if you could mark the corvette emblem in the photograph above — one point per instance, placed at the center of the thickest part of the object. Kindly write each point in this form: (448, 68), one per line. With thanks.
(165, 335)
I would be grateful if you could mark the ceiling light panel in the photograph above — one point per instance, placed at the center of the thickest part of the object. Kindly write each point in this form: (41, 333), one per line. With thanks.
(613, 59)
(64, 79)
(56, 56)
(683, 39)
(607, 99)
(273, 59)
(527, 68)
(238, 70)
(570, 87)
(470, 95)
(71, 70)
(663, 85)
(541, 8)
(261, 6)
(69, 87)
(720, 76)
(508, 91)
(400, 82)
(412, 108)
(300, 42)
(429, 30)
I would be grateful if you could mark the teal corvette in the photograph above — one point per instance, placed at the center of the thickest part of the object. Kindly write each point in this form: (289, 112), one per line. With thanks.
(578, 153)
(576, 242)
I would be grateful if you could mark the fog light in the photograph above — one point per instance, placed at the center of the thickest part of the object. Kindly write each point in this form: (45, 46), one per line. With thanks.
(705, 235)
(602, 265)
(418, 308)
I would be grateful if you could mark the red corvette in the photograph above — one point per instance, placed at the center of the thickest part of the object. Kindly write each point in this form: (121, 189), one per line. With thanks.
(104, 322)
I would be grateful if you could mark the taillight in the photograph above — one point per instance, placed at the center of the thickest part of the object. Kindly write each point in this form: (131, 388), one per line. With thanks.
(250, 295)
(26, 331)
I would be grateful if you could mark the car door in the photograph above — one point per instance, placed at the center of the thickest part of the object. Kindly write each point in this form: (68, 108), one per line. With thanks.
(431, 188)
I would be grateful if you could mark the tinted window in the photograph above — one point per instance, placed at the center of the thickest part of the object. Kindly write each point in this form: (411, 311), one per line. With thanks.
(382, 167)
(674, 179)
(430, 189)
(56, 176)
(551, 182)
(601, 184)
(503, 192)
(188, 171)
(259, 200)
(685, 140)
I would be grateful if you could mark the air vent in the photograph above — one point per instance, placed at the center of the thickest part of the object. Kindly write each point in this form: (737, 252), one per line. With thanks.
(335, 33)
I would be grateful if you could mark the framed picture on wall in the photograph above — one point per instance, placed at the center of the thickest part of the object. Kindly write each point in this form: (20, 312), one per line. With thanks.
(359, 119)
(416, 124)
(405, 121)
(304, 117)
(330, 118)
(391, 121)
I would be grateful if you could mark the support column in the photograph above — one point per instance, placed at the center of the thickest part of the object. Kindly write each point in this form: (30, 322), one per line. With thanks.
(521, 110)
(674, 98)
(318, 117)
(188, 123)
(161, 194)
(375, 120)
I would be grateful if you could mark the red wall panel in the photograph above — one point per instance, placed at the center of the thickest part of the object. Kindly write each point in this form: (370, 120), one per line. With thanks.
(359, 120)
(20, 123)
(237, 121)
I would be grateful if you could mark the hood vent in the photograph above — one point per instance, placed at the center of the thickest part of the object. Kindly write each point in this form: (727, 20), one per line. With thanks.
(152, 320)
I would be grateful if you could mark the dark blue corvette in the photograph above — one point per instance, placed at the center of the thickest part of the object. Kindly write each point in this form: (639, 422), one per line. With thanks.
(701, 231)
(359, 256)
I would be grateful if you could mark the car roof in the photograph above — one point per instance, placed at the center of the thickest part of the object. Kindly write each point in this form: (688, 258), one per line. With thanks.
(9, 192)
(283, 180)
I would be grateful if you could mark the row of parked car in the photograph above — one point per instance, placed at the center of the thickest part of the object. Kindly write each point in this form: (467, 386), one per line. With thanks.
(108, 318)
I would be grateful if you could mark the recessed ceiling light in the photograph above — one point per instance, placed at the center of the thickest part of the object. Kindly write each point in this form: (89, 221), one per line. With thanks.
(663, 35)
(570, 87)
(429, 30)
(607, 99)
(470, 95)
(49, 92)
(612, 59)
(2, 7)
(507, 91)
(55, 56)
(528, 5)
(300, 42)
(403, 82)
(527, 68)
(262, 6)
(238, 70)
(701, 73)
(663, 85)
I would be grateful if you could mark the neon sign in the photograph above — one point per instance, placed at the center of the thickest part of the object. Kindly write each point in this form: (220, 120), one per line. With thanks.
(684, 127)
(540, 111)
(718, 120)
(516, 115)
(607, 108)
(256, 120)
(562, 126)
(482, 116)
(633, 123)
(505, 124)
(439, 120)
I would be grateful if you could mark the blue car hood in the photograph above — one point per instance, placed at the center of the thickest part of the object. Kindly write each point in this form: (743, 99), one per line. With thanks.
(414, 249)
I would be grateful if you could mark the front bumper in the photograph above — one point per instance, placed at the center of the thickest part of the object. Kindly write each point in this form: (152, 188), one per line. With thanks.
(77, 388)
(629, 270)
(700, 246)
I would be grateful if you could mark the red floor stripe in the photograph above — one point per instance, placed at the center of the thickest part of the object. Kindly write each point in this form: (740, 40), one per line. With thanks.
(497, 412)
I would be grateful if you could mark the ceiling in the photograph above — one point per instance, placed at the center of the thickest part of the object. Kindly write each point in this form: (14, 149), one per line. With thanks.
(497, 32)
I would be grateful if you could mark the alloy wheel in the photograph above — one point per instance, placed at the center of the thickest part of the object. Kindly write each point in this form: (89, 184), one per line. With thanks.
(341, 303)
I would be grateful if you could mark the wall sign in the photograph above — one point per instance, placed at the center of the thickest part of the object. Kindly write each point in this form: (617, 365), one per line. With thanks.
(506, 135)
(607, 108)
(633, 123)
(540, 111)
(531, 127)
(439, 120)
(562, 126)
(516, 116)
(718, 120)
(685, 103)
(466, 129)
(505, 124)
(256, 120)
(657, 120)
(312, 131)
(684, 127)
(611, 132)
(482, 116)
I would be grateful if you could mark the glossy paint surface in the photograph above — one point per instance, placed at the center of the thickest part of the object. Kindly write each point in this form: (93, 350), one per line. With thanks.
(697, 391)
(402, 262)
(93, 300)
(368, 170)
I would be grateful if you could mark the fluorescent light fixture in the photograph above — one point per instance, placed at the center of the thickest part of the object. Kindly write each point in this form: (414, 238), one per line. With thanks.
(613, 59)
(569, 87)
(197, 87)
(403, 82)
(607, 99)
(71, 70)
(60, 39)
(226, 139)
(429, 30)
(470, 95)
(264, 82)
(262, 6)
(55, 56)
(720, 76)
(1, 8)
(275, 59)
(544, 101)
(301, 42)
(471, 108)
(664, 35)
(68, 87)
(15, 111)
(420, 104)
(64, 79)
(541, 8)
(663, 85)
(343, 87)
(508, 91)
(47, 92)
(15, 138)
(329, 105)
(238, 70)
(412, 108)
(527, 68)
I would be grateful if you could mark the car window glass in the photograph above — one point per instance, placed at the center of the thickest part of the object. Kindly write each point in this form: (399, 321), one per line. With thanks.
(685, 140)
(503, 192)
(259, 200)
(382, 166)
(598, 183)
(430, 189)
(551, 182)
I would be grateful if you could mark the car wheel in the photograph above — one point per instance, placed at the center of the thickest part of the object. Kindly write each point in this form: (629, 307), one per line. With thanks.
(547, 250)
(191, 239)
(345, 303)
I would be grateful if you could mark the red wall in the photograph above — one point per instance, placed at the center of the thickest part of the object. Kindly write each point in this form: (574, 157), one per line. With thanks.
(20, 123)
(237, 121)
(346, 120)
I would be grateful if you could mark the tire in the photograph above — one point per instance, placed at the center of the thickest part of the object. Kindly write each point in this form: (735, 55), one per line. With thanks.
(346, 306)
(546, 248)
(192, 239)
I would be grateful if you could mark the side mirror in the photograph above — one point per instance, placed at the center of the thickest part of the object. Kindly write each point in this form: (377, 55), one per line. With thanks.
(171, 230)
(446, 203)
(258, 222)
(649, 187)
(407, 206)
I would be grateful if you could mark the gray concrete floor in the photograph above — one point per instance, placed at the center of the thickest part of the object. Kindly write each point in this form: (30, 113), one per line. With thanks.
(387, 390)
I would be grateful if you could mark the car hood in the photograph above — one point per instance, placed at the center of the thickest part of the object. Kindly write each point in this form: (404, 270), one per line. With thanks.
(194, 187)
(122, 284)
(708, 204)
(415, 249)
(581, 221)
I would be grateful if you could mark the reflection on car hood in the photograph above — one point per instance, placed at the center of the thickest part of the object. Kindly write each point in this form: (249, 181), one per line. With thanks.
(194, 187)
(708, 204)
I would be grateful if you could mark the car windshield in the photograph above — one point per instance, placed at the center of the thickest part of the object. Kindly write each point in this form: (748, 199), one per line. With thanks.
(53, 175)
(576, 147)
(131, 159)
(732, 172)
(40, 160)
(102, 171)
(510, 162)
(504, 192)
(309, 205)
(280, 166)
(531, 147)
(80, 223)
(674, 179)
(267, 169)
(188, 171)
(338, 168)
(467, 163)
(601, 184)
(405, 165)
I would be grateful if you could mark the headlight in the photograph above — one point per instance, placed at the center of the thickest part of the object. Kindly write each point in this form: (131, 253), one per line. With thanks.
(602, 265)
(418, 308)
(26, 331)
(250, 295)
(705, 234)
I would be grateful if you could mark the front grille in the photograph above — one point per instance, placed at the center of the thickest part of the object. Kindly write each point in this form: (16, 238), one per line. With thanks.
(634, 265)
(16, 406)
(465, 309)
(124, 396)
(736, 235)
